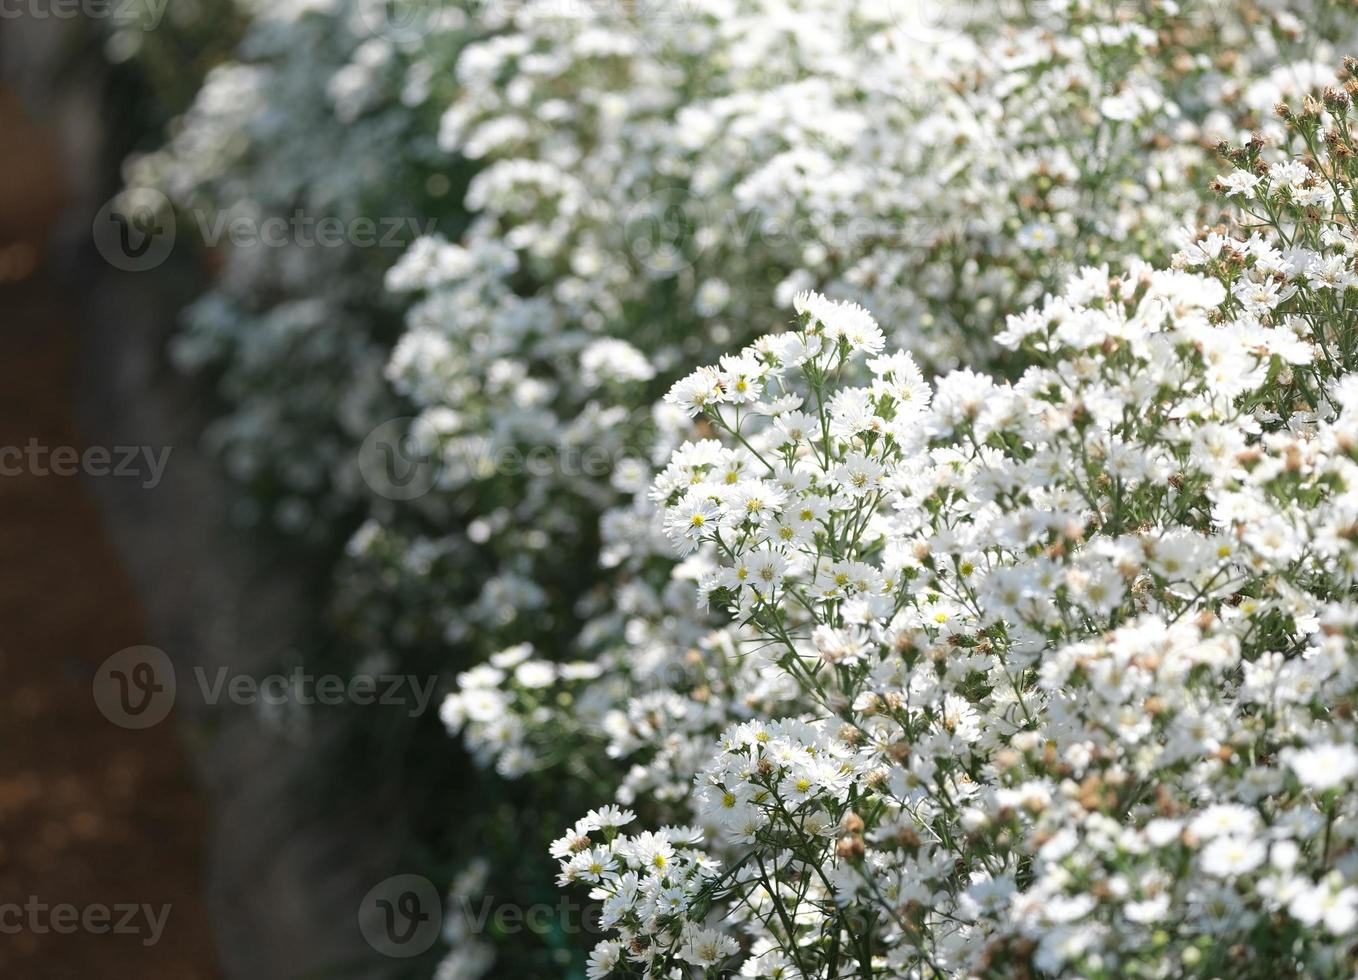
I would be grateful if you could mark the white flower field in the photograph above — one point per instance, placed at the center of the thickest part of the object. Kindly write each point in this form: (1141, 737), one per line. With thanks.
(876, 481)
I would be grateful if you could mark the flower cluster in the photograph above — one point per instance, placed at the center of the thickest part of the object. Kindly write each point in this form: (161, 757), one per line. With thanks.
(520, 370)
(933, 605)
(640, 202)
(1074, 651)
(670, 683)
(651, 886)
(298, 130)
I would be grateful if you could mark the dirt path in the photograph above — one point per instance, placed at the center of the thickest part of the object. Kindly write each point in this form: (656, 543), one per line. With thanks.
(216, 824)
(91, 815)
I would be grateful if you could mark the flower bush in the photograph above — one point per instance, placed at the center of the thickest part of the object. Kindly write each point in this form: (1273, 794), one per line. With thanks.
(317, 120)
(966, 648)
(668, 680)
(643, 223)
(1073, 652)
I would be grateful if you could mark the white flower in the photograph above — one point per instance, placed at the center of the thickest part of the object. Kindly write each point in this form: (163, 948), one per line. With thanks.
(603, 959)
(689, 521)
(706, 947)
(616, 361)
(1323, 767)
(609, 818)
(844, 321)
(535, 674)
(1228, 856)
(697, 393)
(1327, 903)
(1225, 819)
(766, 571)
(1239, 183)
(1148, 911)
(483, 705)
(510, 657)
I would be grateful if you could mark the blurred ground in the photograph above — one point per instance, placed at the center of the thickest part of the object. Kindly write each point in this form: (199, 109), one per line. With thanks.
(90, 814)
(285, 872)
(206, 812)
